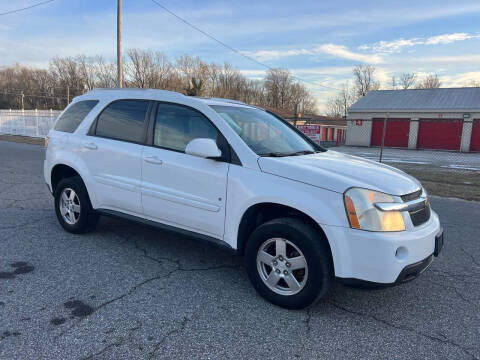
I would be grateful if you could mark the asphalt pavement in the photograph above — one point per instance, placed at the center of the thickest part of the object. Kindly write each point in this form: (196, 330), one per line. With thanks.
(127, 291)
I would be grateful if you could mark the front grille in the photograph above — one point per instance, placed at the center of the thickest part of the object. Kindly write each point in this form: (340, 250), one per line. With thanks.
(412, 196)
(420, 216)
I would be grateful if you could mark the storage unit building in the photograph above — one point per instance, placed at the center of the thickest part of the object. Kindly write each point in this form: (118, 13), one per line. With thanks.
(439, 119)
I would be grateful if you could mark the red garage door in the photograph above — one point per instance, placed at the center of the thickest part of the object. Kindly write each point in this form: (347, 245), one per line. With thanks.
(396, 134)
(475, 139)
(444, 134)
(324, 133)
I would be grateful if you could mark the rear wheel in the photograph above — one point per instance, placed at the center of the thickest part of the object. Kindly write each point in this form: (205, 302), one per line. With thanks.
(289, 263)
(72, 206)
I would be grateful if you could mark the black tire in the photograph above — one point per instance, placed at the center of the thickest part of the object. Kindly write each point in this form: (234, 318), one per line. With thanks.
(88, 217)
(316, 252)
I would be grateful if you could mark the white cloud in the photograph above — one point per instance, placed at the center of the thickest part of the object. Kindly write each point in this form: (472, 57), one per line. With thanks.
(396, 46)
(264, 55)
(459, 80)
(447, 60)
(391, 46)
(324, 71)
(335, 50)
(341, 51)
(449, 38)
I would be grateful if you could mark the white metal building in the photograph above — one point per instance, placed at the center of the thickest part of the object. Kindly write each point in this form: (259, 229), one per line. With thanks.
(442, 119)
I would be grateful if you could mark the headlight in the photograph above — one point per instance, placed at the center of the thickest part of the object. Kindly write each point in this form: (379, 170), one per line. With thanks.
(362, 214)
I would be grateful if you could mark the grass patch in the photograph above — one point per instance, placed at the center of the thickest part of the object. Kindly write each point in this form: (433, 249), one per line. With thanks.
(463, 184)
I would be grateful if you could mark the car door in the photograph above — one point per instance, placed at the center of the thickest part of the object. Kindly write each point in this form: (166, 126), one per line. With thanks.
(179, 189)
(113, 154)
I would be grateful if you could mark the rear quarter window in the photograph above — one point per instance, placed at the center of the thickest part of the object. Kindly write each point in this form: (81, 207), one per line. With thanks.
(123, 120)
(74, 115)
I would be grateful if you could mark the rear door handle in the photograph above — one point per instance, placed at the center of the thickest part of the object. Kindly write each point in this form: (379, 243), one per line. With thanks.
(91, 146)
(153, 160)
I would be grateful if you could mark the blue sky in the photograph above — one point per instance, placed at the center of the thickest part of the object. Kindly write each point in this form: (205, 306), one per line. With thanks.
(318, 40)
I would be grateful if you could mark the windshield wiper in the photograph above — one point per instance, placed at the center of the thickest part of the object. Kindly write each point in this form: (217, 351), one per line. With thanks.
(304, 152)
(275, 154)
(280, 154)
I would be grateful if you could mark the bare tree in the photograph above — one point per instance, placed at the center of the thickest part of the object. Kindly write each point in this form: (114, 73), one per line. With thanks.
(277, 82)
(338, 105)
(393, 82)
(106, 73)
(407, 80)
(473, 83)
(48, 88)
(147, 69)
(365, 79)
(430, 81)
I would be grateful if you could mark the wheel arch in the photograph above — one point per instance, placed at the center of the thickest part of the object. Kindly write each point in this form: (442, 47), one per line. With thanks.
(59, 172)
(64, 170)
(260, 213)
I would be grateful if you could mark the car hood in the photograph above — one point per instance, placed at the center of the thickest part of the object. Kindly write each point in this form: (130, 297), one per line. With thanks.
(337, 172)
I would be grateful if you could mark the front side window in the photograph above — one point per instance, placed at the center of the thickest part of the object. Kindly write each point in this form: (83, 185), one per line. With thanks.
(176, 126)
(74, 115)
(123, 120)
(265, 134)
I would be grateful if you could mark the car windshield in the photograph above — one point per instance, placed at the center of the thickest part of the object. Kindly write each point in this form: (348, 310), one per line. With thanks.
(265, 134)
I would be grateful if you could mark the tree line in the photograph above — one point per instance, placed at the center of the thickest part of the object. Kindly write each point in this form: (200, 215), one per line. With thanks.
(66, 77)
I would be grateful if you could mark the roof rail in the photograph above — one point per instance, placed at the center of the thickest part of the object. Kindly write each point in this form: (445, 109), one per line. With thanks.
(231, 101)
(135, 89)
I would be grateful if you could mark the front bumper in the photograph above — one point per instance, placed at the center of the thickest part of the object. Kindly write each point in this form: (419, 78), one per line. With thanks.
(383, 258)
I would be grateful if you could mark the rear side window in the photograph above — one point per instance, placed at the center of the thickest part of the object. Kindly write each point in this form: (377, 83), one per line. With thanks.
(176, 126)
(123, 120)
(74, 115)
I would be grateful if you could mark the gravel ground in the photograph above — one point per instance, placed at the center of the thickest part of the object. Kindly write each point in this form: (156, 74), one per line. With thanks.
(127, 291)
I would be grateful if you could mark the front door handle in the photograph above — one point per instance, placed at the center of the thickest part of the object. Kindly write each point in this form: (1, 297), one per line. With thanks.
(153, 160)
(91, 146)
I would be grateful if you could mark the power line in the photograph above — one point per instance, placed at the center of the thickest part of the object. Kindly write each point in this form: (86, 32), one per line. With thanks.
(25, 8)
(231, 48)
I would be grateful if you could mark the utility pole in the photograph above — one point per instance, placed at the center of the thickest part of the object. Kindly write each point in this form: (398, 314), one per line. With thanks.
(384, 130)
(119, 44)
(295, 115)
(23, 96)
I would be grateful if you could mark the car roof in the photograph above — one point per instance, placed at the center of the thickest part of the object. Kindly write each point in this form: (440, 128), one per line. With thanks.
(156, 94)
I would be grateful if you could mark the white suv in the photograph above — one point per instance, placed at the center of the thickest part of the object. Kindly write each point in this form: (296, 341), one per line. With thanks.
(241, 177)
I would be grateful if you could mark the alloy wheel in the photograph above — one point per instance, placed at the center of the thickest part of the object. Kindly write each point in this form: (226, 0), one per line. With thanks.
(69, 206)
(282, 266)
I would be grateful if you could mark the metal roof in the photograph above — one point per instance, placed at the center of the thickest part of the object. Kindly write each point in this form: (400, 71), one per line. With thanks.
(443, 99)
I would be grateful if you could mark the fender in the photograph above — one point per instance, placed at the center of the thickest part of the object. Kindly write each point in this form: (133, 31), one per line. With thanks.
(325, 207)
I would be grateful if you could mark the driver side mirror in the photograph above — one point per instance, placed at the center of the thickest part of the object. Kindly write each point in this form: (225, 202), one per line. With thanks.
(205, 148)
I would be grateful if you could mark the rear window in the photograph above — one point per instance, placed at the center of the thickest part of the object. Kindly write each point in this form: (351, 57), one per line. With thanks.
(74, 115)
(123, 120)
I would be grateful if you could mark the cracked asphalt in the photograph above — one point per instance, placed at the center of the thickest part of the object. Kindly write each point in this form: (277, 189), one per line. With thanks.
(127, 291)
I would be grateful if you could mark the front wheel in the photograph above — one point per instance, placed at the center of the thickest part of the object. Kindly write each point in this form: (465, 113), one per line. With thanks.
(72, 206)
(289, 263)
